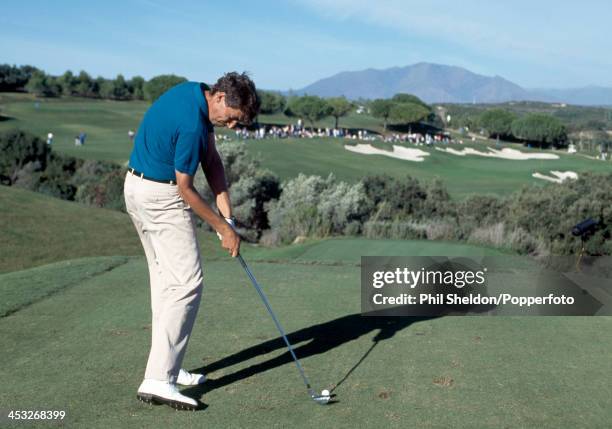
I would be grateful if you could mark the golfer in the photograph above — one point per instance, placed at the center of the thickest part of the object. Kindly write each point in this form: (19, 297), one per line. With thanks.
(175, 136)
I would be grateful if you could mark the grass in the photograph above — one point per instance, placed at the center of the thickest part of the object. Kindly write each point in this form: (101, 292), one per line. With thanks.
(75, 337)
(463, 176)
(107, 123)
(36, 229)
(83, 350)
(22, 288)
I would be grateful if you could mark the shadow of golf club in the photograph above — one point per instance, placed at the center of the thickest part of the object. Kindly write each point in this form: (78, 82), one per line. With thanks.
(320, 339)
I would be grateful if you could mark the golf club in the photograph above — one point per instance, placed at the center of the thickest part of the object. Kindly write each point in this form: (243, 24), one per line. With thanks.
(324, 397)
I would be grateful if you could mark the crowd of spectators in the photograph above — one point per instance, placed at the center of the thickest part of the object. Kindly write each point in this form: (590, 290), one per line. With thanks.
(299, 131)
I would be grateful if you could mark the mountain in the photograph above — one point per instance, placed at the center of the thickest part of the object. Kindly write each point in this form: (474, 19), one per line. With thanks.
(587, 96)
(436, 83)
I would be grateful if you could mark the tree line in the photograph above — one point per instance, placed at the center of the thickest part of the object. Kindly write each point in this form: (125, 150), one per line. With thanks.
(539, 128)
(401, 108)
(33, 80)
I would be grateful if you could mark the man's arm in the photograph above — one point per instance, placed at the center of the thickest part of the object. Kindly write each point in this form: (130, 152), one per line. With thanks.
(215, 176)
(230, 240)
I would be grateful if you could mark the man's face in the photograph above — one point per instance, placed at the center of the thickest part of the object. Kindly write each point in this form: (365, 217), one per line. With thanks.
(222, 115)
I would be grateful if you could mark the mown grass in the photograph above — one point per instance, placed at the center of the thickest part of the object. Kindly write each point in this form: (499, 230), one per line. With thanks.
(107, 123)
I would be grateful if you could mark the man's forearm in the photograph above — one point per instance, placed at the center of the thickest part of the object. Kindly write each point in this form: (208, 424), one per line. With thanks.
(215, 175)
(203, 210)
(223, 204)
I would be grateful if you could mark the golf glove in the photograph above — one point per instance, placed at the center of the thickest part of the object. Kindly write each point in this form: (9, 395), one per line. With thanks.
(232, 223)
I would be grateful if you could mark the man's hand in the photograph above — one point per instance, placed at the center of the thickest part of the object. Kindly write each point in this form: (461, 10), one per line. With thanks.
(227, 239)
(230, 240)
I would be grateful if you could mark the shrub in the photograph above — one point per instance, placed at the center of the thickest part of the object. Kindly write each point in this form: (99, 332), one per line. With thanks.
(249, 197)
(550, 215)
(313, 206)
(17, 149)
(56, 178)
(107, 192)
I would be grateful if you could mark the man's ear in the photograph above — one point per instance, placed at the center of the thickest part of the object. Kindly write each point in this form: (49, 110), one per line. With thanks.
(220, 96)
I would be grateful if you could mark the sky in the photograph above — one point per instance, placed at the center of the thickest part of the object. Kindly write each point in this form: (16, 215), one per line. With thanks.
(290, 44)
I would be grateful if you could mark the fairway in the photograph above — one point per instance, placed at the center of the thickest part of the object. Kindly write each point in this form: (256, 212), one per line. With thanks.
(462, 176)
(83, 350)
(107, 123)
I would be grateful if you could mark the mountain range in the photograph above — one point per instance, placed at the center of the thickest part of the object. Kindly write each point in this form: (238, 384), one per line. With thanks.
(437, 83)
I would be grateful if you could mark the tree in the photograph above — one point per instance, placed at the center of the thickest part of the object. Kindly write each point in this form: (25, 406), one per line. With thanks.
(409, 98)
(13, 78)
(540, 129)
(43, 85)
(497, 122)
(106, 88)
(154, 88)
(381, 108)
(116, 89)
(68, 83)
(136, 87)
(340, 106)
(271, 102)
(310, 107)
(408, 113)
(85, 85)
(120, 88)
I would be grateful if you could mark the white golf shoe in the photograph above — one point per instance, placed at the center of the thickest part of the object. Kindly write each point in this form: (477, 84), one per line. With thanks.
(186, 378)
(161, 392)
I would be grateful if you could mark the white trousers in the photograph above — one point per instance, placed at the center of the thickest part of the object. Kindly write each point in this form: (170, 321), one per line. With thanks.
(166, 229)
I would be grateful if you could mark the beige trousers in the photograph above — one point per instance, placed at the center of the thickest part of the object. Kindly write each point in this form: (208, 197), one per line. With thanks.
(166, 229)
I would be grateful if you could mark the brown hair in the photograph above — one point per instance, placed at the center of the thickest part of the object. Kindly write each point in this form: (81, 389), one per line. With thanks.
(240, 93)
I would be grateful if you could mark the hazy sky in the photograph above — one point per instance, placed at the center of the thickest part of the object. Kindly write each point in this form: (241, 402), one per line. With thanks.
(536, 43)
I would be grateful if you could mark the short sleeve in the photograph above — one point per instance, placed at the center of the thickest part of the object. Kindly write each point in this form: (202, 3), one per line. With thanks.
(187, 153)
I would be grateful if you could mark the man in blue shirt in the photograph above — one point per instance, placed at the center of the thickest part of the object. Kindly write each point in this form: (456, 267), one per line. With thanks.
(175, 136)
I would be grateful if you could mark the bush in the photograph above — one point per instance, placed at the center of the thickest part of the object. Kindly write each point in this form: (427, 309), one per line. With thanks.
(313, 206)
(56, 178)
(550, 215)
(17, 149)
(107, 193)
(29, 176)
(91, 171)
(490, 235)
(249, 197)
(402, 197)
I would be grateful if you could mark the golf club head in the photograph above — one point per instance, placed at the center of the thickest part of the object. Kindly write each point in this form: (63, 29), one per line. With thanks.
(321, 399)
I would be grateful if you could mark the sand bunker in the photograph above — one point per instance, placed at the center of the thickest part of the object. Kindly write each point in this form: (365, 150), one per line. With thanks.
(557, 176)
(399, 152)
(505, 153)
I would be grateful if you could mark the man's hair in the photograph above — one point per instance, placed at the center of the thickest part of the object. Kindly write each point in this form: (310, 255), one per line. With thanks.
(240, 93)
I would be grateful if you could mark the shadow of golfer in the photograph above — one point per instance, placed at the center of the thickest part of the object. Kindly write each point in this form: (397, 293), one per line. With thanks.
(320, 338)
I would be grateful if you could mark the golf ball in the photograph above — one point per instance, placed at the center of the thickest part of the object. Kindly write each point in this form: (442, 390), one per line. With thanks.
(325, 393)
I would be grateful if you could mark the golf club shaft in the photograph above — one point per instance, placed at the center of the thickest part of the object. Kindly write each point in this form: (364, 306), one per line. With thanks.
(278, 325)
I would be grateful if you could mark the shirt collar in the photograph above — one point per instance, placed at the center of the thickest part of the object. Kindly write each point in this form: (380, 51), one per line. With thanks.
(201, 99)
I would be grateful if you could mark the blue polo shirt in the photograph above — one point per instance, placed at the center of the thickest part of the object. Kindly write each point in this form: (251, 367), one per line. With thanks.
(173, 134)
